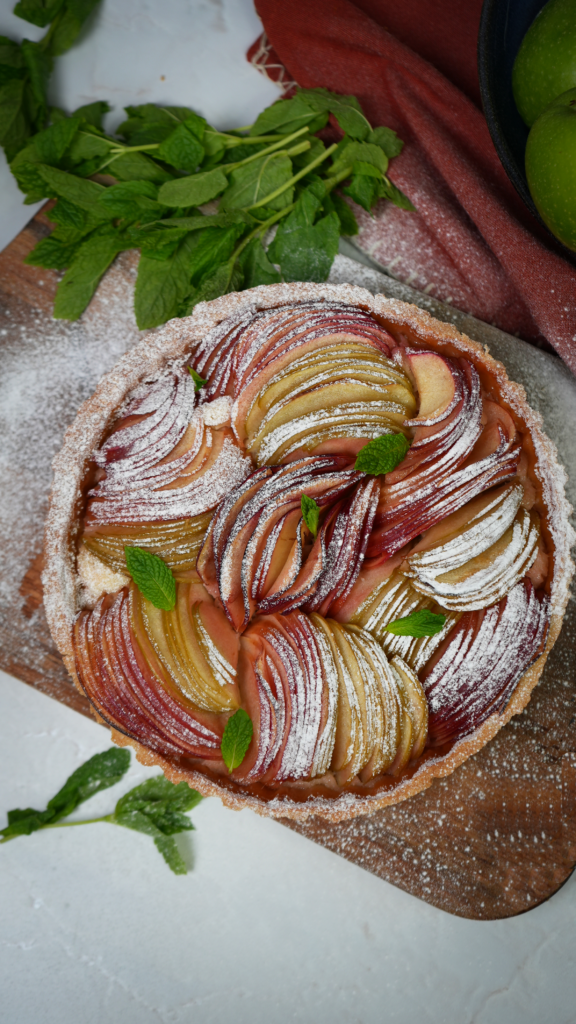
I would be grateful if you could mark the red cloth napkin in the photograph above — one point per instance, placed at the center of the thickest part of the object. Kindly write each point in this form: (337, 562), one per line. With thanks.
(472, 241)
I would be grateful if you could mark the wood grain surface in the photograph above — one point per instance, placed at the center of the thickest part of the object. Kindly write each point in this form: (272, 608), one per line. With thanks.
(493, 840)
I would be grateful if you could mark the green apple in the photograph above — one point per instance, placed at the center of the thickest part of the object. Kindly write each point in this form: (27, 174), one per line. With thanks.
(551, 167)
(546, 63)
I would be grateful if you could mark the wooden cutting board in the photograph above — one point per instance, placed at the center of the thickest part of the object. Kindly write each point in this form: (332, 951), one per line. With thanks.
(494, 839)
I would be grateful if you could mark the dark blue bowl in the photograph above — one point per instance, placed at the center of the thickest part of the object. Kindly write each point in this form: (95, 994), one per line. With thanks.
(503, 25)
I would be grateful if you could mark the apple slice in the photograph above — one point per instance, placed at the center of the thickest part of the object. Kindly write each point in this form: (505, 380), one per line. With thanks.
(415, 705)
(177, 542)
(376, 670)
(188, 653)
(417, 512)
(238, 549)
(129, 694)
(337, 374)
(484, 578)
(290, 663)
(477, 668)
(436, 383)
(263, 698)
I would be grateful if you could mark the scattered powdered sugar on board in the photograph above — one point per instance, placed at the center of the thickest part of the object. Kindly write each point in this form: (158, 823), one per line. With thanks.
(49, 367)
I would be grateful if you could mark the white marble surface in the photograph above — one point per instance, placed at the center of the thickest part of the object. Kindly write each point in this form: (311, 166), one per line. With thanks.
(267, 927)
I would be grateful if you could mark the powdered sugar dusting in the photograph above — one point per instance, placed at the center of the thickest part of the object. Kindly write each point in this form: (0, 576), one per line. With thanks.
(172, 339)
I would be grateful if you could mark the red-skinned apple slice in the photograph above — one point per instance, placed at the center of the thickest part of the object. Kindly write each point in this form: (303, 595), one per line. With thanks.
(129, 694)
(476, 669)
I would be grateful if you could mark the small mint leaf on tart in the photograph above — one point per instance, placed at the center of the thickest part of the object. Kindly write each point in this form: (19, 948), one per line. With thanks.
(311, 513)
(199, 381)
(236, 739)
(382, 455)
(152, 577)
(422, 623)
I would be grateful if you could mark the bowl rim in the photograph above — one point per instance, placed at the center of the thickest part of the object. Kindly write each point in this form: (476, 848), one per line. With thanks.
(515, 173)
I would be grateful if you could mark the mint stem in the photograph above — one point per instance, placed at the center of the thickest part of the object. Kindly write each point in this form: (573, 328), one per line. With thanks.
(264, 152)
(87, 821)
(64, 824)
(305, 170)
(261, 229)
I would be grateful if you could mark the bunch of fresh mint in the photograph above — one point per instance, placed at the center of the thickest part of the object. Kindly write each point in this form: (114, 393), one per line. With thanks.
(156, 807)
(145, 187)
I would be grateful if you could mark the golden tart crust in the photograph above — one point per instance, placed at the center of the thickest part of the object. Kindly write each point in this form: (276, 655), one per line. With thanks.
(149, 358)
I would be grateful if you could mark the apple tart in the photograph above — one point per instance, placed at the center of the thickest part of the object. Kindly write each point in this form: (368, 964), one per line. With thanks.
(375, 617)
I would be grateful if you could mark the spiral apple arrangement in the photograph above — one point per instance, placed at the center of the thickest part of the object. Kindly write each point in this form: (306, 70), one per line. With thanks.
(355, 537)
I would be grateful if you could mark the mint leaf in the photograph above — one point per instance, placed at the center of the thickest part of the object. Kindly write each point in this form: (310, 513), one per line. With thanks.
(52, 143)
(164, 802)
(256, 266)
(100, 772)
(382, 455)
(351, 152)
(158, 245)
(161, 286)
(311, 513)
(348, 222)
(181, 149)
(211, 248)
(156, 808)
(80, 281)
(236, 739)
(24, 821)
(253, 182)
(226, 278)
(305, 250)
(363, 189)
(88, 150)
(27, 177)
(14, 129)
(422, 623)
(137, 167)
(387, 140)
(39, 66)
(199, 381)
(388, 190)
(68, 215)
(152, 577)
(53, 253)
(82, 193)
(140, 822)
(67, 27)
(287, 116)
(346, 110)
(38, 12)
(93, 113)
(194, 190)
(135, 200)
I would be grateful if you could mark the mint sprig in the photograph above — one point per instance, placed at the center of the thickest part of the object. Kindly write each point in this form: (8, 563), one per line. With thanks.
(156, 807)
(236, 739)
(418, 624)
(382, 454)
(310, 513)
(152, 577)
(165, 162)
(199, 381)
